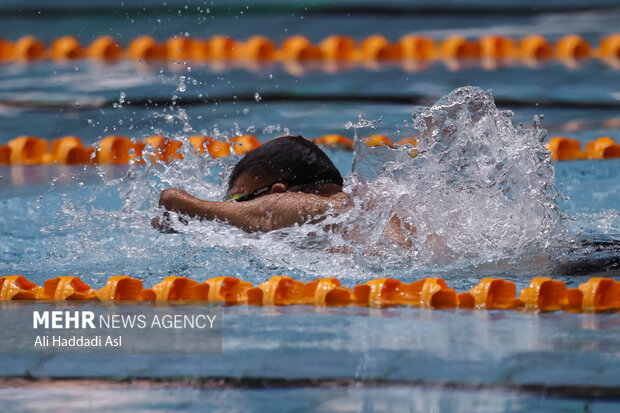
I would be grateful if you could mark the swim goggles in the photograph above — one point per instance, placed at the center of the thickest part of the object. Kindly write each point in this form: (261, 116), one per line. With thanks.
(248, 197)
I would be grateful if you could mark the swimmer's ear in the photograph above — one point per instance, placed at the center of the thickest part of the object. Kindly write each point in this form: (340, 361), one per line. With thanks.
(278, 188)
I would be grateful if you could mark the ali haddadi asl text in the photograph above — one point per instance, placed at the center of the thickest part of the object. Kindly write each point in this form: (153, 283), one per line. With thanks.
(78, 341)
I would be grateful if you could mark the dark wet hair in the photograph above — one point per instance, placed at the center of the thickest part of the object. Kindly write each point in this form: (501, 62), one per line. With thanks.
(288, 159)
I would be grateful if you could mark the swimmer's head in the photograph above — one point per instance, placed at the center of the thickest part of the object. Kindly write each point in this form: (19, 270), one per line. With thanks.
(285, 163)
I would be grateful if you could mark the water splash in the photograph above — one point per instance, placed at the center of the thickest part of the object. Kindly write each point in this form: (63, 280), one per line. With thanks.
(361, 123)
(478, 189)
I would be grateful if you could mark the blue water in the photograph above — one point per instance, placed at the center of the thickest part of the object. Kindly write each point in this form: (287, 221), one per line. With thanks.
(349, 399)
(93, 222)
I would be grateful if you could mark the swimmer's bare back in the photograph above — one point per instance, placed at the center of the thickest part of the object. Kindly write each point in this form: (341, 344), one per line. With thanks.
(266, 213)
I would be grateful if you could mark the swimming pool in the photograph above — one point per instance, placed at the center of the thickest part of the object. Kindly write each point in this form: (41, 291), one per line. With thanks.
(93, 222)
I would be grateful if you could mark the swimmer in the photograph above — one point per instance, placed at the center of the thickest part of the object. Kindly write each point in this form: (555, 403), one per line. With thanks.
(284, 182)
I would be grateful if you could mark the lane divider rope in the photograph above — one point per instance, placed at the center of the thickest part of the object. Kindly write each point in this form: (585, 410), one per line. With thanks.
(566, 149)
(334, 48)
(120, 150)
(543, 294)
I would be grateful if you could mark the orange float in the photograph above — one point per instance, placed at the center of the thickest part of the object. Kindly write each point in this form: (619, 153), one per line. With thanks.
(496, 47)
(545, 294)
(28, 48)
(80, 155)
(564, 149)
(179, 49)
(433, 293)
(337, 47)
(177, 288)
(17, 287)
(121, 287)
(69, 150)
(491, 293)
(378, 48)
(222, 47)
(244, 144)
(600, 294)
(609, 47)
(255, 48)
(27, 150)
(146, 48)
(384, 292)
(573, 47)
(299, 48)
(602, 148)
(166, 150)
(67, 48)
(229, 290)
(199, 50)
(199, 142)
(218, 149)
(377, 140)
(114, 150)
(67, 288)
(417, 47)
(535, 47)
(574, 299)
(104, 48)
(279, 290)
(336, 142)
(328, 292)
(204, 144)
(458, 47)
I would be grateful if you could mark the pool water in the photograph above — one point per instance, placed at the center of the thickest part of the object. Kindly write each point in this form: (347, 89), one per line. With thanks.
(94, 222)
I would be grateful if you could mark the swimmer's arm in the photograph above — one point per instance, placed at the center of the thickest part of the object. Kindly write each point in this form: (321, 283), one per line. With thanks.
(266, 213)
